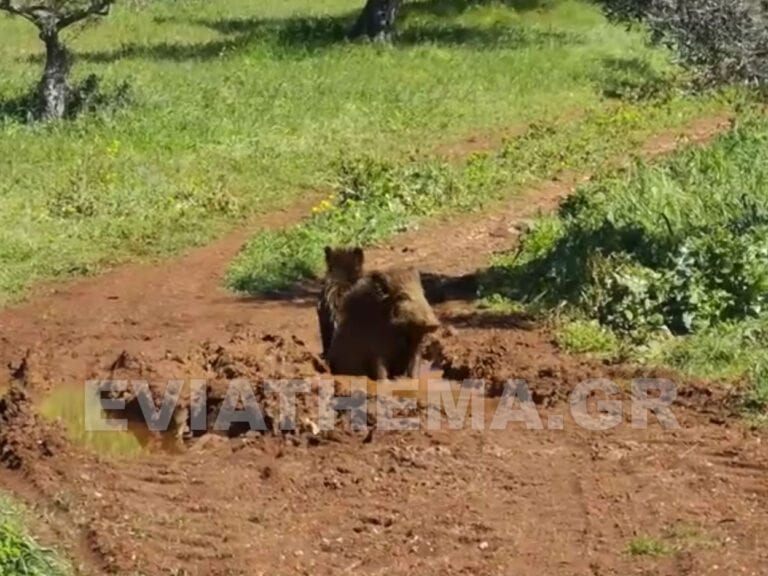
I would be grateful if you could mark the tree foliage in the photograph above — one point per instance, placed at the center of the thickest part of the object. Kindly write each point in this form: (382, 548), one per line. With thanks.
(725, 40)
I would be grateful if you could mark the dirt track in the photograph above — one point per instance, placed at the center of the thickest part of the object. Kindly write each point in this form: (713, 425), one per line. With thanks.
(517, 501)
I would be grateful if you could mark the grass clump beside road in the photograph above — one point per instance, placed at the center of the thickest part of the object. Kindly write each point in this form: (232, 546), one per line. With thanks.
(241, 106)
(375, 199)
(20, 554)
(674, 249)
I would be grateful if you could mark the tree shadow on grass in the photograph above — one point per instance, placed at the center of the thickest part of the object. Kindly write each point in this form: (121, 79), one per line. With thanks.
(633, 79)
(300, 36)
(499, 36)
(18, 109)
(457, 7)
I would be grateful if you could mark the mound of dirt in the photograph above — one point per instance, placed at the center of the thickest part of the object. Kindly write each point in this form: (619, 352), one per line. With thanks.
(253, 383)
(498, 357)
(24, 438)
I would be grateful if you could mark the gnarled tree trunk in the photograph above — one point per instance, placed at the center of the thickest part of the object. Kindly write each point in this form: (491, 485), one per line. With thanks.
(54, 90)
(54, 95)
(377, 20)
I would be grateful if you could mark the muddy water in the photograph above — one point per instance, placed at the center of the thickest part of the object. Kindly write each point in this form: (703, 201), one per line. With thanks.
(70, 406)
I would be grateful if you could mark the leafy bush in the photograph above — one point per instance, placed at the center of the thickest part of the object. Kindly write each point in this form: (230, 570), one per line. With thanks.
(725, 39)
(678, 247)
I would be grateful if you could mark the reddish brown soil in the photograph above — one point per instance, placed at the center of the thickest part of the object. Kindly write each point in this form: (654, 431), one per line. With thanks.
(475, 502)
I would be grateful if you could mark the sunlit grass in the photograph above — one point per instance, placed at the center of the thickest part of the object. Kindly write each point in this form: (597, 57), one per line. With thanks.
(20, 553)
(241, 106)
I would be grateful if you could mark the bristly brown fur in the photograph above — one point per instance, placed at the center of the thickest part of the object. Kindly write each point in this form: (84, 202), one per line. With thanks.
(344, 267)
(383, 321)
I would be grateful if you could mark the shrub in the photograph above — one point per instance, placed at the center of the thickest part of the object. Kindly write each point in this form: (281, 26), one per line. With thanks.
(726, 40)
(679, 247)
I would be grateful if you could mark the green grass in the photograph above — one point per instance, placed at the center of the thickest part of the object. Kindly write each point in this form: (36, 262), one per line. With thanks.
(241, 106)
(649, 546)
(20, 553)
(374, 199)
(731, 352)
(587, 337)
(670, 256)
(672, 540)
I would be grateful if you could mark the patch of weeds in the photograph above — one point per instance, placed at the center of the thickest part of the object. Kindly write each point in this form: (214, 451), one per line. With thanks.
(671, 257)
(664, 247)
(755, 402)
(588, 337)
(90, 96)
(673, 539)
(649, 546)
(20, 554)
(733, 351)
(499, 305)
(374, 199)
(634, 80)
(686, 535)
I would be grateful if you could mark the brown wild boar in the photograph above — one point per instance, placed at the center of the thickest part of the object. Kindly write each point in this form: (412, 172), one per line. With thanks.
(344, 267)
(383, 321)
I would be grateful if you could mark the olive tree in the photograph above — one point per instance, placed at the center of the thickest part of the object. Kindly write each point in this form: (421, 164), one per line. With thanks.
(726, 40)
(54, 94)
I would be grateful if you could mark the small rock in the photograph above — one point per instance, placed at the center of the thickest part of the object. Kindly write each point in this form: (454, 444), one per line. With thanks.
(309, 426)
(483, 545)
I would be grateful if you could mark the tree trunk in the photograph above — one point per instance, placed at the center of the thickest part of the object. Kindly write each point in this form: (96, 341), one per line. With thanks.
(377, 20)
(54, 91)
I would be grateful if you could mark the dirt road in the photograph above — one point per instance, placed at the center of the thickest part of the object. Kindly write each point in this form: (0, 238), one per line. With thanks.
(567, 501)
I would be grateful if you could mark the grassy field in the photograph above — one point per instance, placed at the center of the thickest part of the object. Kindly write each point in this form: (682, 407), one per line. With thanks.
(20, 554)
(667, 262)
(240, 106)
(374, 199)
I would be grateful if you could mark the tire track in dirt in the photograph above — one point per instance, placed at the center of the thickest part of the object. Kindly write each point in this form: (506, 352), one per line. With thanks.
(444, 502)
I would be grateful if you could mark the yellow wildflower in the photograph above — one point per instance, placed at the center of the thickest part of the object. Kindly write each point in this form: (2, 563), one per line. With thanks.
(324, 206)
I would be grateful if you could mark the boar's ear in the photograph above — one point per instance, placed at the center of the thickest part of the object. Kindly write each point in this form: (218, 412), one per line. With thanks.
(357, 252)
(328, 251)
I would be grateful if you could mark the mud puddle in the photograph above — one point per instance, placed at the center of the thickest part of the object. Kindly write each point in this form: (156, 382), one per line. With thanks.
(93, 428)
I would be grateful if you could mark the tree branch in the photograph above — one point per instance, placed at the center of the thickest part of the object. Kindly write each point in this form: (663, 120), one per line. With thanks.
(24, 13)
(44, 17)
(97, 8)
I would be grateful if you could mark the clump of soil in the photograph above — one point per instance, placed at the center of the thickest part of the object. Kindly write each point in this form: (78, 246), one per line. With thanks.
(276, 385)
(499, 357)
(24, 438)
